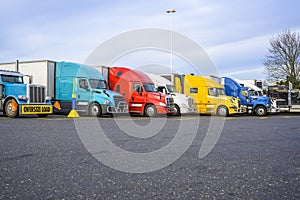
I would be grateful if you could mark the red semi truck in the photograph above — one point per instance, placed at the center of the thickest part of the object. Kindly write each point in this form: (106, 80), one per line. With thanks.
(139, 91)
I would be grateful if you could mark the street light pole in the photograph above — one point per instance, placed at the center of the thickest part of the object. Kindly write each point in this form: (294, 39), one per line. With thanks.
(171, 11)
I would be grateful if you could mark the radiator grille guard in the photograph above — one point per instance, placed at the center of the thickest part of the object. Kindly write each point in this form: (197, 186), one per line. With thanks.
(120, 105)
(170, 103)
(37, 94)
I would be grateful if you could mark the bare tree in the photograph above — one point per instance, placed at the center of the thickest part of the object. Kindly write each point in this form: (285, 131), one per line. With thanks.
(282, 61)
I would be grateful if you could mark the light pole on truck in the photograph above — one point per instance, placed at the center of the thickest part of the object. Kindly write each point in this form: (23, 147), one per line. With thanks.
(171, 11)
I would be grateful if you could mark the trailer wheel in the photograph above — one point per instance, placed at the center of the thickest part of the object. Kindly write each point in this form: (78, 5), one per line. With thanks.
(150, 111)
(177, 109)
(260, 110)
(222, 111)
(95, 110)
(9, 109)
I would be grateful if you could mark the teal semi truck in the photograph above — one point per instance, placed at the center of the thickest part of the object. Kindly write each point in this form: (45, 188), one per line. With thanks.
(18, 98)
(66, 81)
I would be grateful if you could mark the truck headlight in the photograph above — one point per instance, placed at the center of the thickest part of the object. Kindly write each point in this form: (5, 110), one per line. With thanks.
(162, 104)
(107, 102)
(22, 97)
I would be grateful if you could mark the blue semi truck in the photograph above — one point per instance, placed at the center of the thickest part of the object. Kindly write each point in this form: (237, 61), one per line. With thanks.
(18, 98)
(250, 102)
(66, 80)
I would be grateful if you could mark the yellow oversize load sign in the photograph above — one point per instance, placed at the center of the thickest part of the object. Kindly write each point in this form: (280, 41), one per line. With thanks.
(37, 109)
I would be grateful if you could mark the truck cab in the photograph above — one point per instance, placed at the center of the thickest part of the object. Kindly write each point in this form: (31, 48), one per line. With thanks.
(140, 92)
(250, 101)
(183, 103)
(209, 96)
(18, 98)
(92, 93)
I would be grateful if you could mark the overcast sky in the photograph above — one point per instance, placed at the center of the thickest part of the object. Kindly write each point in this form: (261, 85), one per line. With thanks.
(234, 33)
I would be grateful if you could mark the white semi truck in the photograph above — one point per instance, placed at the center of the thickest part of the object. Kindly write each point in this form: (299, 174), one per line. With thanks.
(182, 102)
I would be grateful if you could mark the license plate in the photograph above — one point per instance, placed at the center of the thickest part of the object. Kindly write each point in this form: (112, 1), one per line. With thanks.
(36, 109)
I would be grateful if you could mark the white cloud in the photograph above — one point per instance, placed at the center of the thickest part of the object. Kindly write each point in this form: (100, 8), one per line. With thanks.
(250, 72)
(241, 51)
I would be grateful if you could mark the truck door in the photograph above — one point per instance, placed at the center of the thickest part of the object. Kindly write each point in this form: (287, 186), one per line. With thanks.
(137, 100)
(83, 91)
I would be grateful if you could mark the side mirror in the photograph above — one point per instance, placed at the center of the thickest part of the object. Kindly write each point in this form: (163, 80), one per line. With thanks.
(30, 79)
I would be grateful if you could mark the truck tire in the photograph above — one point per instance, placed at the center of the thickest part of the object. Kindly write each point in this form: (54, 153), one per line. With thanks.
(260, 110)
(222, 111)
(150, 111)
(8, 110)
(177, 109)
(95, 110)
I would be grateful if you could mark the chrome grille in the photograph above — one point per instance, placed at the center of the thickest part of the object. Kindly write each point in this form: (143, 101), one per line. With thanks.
(117, 99)
(37, 94)
(170, 101)
(191, 102)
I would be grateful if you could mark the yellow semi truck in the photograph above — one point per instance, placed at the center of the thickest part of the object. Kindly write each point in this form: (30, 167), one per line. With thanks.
(209, 95)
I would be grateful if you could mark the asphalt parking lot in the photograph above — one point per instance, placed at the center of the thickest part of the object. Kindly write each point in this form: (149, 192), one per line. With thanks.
(51, 158)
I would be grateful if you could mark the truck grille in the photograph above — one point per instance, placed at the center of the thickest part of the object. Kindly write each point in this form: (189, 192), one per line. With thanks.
(120, 105)
(37, 94)
(170, 102)
(191, 102)
(118, 99)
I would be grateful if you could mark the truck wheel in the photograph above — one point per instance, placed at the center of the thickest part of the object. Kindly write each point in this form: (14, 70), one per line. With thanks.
(95, 110)
(222, 111)
(9, 111)
(260, 110)
(150, 111)
(177, 109)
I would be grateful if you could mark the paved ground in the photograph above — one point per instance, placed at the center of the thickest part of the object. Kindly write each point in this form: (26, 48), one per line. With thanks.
(254, 158)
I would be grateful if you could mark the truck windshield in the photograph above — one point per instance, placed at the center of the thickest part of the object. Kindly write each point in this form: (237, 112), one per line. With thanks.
(220, 91)
(251, 93)
(97, 84)
(12, 79)
(170, 88)
(258, 93)
(149, 87)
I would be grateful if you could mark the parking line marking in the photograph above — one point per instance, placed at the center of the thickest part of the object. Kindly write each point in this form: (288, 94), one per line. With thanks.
(263, 117)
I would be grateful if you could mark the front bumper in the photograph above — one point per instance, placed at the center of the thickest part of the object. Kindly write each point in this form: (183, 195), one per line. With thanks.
(165, 110)
(122, 107)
